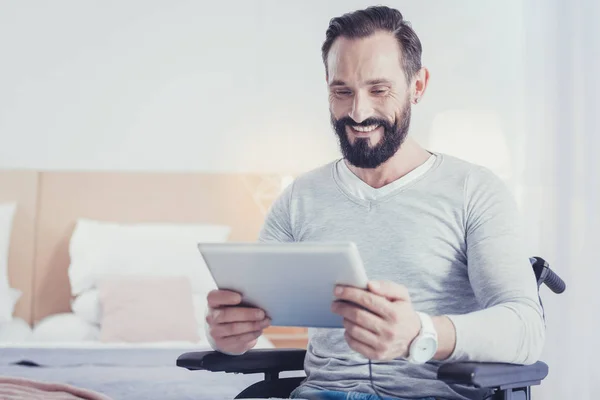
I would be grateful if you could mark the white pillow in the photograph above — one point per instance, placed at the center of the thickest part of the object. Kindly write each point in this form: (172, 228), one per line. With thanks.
(200, 308)
(151, 249)
(88, 307)
(9, 298)
(64, 327)
(15, 331)
(14, 295)
(7, 212)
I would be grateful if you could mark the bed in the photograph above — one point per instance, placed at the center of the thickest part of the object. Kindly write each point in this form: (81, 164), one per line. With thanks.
(122, 373)
(62, 221)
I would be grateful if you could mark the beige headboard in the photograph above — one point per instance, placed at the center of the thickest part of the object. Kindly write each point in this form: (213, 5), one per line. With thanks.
(21, 187)
(129, 197)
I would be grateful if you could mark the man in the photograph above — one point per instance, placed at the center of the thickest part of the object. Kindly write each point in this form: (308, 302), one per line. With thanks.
(438, 235)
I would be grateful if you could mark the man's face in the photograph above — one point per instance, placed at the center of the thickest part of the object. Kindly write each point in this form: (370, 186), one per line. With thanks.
(369, 98)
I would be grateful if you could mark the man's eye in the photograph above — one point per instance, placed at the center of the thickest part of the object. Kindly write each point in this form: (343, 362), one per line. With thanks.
(378, 91)
(343, 92)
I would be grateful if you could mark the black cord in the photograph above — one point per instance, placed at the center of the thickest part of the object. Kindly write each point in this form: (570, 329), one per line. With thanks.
(371, 379)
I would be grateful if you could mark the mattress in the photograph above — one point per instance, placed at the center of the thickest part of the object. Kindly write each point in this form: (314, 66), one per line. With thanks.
(122, 372)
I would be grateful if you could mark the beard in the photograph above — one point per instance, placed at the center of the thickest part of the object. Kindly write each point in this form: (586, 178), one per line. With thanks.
(360, 153)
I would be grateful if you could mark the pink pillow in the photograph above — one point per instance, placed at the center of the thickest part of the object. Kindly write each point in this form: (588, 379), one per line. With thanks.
(147, 309)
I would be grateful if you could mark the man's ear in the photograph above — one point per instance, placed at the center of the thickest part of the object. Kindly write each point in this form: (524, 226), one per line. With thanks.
(420, 82)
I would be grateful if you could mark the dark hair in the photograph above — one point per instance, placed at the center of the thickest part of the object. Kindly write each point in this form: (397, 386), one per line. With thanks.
(363, 23)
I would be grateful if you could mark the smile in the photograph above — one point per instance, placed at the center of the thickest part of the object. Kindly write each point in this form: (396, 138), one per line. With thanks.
(365, 129)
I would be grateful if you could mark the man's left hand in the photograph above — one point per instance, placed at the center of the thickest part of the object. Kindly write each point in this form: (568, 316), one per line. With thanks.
(384, 329)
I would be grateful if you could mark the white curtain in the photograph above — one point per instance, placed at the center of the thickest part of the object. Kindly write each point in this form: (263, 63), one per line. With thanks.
(559, 182)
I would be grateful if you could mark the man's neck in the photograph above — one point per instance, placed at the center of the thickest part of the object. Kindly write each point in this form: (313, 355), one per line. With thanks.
(410, 156)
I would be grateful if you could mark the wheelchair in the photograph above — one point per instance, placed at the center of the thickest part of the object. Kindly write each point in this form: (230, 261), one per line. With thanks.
(505, 381)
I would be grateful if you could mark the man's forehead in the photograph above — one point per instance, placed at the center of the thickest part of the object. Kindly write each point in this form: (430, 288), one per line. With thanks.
(374, 57)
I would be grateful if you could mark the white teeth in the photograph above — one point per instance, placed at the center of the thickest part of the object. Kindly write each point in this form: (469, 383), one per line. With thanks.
(365, 128)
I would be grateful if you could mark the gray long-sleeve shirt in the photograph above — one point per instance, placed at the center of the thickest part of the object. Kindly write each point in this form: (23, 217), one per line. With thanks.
(452, 236)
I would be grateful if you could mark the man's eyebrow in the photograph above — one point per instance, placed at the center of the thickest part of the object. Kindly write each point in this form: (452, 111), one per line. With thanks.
(337, 82)
(380, 81)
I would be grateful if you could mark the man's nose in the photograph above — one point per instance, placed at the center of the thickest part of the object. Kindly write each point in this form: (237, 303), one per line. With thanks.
(361, 108)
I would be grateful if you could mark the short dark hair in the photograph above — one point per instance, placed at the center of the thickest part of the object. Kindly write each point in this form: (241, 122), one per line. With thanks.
(363, 23)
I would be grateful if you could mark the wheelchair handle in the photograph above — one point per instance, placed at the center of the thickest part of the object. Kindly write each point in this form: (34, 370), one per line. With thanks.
(545, 275)
(554, 282)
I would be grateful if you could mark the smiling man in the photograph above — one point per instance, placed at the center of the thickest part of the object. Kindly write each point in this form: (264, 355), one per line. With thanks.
(438, 236)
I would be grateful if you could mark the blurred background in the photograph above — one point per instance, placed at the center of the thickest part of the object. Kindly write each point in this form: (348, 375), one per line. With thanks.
(239, 87)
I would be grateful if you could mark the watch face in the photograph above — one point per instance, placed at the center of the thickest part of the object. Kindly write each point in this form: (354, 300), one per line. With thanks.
(424, 349)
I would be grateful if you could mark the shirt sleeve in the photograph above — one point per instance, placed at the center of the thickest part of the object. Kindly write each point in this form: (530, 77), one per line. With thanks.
(510, 326)
(278, 223)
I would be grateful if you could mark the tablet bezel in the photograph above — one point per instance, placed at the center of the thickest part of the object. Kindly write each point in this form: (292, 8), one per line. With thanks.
(345, 268)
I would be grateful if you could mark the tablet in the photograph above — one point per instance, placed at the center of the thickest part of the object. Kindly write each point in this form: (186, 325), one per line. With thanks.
(292, 282)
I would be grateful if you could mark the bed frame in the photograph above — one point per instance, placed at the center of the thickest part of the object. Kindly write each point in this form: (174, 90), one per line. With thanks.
(21, 187)
(50, 202)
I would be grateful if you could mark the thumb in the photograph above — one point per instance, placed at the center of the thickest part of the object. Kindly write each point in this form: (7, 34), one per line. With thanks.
(390, 290)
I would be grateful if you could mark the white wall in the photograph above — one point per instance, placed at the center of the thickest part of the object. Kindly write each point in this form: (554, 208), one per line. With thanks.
(239, 86)
(219, 86)
(562, 184)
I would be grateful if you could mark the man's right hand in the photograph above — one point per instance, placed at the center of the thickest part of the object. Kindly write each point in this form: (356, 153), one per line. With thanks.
(233, 328)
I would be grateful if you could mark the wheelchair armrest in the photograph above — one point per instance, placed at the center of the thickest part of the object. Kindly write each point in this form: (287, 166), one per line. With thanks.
(252, 362)
(493, 375)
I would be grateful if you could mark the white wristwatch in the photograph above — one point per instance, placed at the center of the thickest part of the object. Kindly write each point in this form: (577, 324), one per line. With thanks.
(425, 345)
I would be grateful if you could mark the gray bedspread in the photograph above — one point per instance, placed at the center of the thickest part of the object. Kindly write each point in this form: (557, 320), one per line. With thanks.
(124, 373)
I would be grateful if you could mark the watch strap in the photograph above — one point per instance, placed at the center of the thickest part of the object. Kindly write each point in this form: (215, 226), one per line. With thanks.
(427, 326)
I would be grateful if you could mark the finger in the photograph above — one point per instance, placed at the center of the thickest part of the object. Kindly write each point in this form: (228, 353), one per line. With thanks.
(372, 302)
(390, 290)
(361, 334)
(358, 316)
(239, 343)
(362, 348)
(252, 343)
(234, 314)
(238, 328)
(220, 298)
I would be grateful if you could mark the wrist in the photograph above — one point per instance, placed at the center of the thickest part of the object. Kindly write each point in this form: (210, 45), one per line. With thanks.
(446, 337)
(435, 339)
(424, 345)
